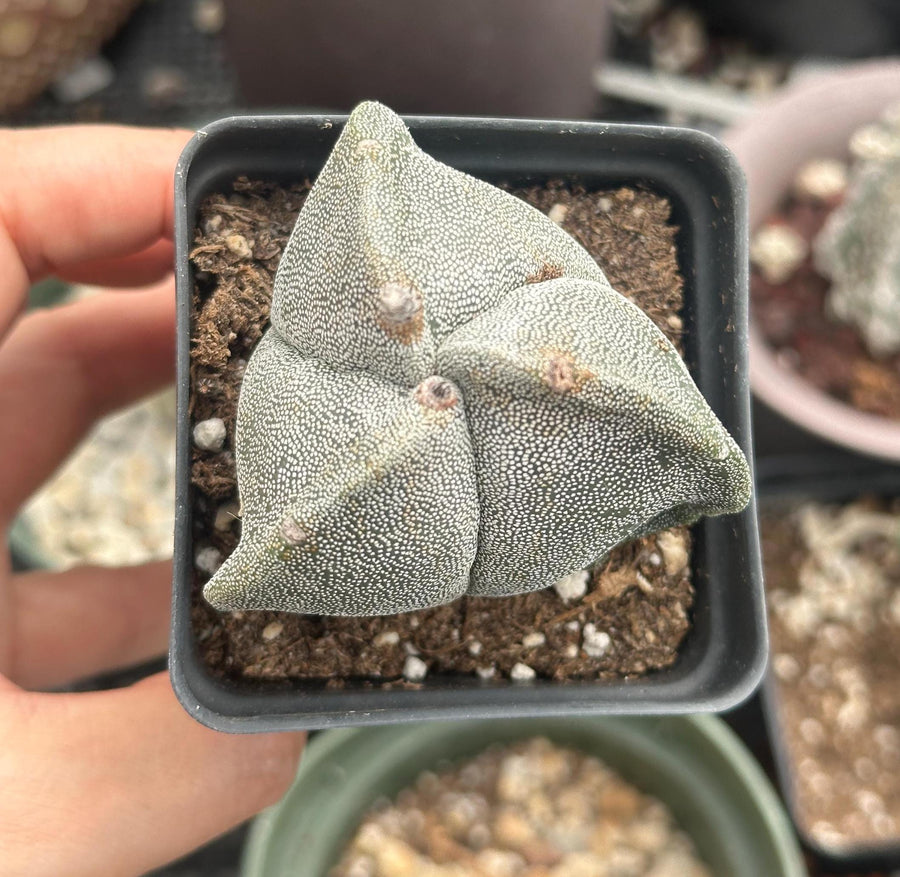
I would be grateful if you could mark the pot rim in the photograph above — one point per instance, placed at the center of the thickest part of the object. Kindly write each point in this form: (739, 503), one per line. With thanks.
(710, 735)
(781, 132)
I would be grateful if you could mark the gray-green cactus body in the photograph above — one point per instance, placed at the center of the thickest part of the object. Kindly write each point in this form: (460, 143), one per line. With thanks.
(368, 249)
(578, 442)
(427, 418)
(859, 248)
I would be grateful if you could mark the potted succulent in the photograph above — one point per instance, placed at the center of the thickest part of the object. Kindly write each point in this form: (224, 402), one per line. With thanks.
(816, 121)
(831, 541)
(694, 767)
(451, 402)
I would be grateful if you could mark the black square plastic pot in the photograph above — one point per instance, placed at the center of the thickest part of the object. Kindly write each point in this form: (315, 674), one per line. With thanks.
(723, 657)
(829, 478)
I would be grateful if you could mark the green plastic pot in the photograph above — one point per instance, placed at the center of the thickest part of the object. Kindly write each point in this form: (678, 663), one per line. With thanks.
(695, 764)
(23, 547)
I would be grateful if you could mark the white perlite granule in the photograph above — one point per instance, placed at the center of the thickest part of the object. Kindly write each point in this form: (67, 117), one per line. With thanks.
(533, 640)
(387, 638)
(208, 559)
(112, 502)
(596, 643)
(777, 251)
(209, 435)
(272, 631)
(821, 178)
(414, 669)
(522, 672)
(573, 586)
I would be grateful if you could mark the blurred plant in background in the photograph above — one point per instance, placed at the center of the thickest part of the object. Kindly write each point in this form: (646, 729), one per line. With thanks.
(859, 247)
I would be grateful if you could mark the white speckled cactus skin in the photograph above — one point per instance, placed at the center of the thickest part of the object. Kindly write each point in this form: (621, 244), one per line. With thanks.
(425, 419)
(859, 248)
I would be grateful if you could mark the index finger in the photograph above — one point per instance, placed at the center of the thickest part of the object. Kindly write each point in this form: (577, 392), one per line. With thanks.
(69, 195)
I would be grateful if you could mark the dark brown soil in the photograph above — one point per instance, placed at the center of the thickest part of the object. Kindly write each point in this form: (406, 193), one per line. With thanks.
(238, 243)
(836, 661)
(830, 355)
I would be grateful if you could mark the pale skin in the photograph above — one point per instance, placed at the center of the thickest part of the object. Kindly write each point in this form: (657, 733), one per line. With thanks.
(112, 782)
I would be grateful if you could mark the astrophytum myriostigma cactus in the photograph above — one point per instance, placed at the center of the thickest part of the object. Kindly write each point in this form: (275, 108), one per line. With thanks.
(859, 248)
(428, 417)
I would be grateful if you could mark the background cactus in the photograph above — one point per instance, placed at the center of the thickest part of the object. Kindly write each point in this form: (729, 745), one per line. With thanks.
(451, 399)
(859, 247)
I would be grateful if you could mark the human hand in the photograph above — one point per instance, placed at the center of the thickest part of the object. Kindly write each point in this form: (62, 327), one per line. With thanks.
(111, 782)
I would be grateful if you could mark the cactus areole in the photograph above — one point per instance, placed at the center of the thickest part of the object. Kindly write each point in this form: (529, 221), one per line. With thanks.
(428, 417)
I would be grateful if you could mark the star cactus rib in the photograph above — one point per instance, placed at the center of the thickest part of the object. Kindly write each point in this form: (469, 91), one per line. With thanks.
(451, 399)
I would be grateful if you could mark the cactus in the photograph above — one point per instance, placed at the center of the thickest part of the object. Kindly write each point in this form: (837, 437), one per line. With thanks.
(859, 247)
(451, 399)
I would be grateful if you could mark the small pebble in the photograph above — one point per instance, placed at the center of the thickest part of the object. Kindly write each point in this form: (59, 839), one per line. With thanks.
(272, 631)
(474, 648)
(573, 586)
(674, 551)
(387, 638)
(884, 826)
(84, 80)
(164, 87)
(811, 731)
(213, 224)
(226, 515)
(533, 640)
(819, 675)
(865, 769)
(823, 179)
(414, 669)
(208, 559)
(571, 650)
(786, 667)
(238, 245)
(362, 866)
(558, 213)
(521, 672)
(852, 715)
(778, 251)
(869, 802)
(208, 16)
(887, 737)
(486, 672)
(410, 649)
(209, 435)
(595, 643)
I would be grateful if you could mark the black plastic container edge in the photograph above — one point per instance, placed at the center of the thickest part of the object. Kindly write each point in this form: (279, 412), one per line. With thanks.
(828, 477)
(723, 657)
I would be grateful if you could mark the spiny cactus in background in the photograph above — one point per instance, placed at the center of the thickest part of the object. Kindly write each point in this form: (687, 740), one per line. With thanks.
(451, 399)
(859, 247)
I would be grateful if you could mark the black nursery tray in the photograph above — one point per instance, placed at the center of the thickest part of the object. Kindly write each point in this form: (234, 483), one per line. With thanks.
(723, 657)
(830, 478)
